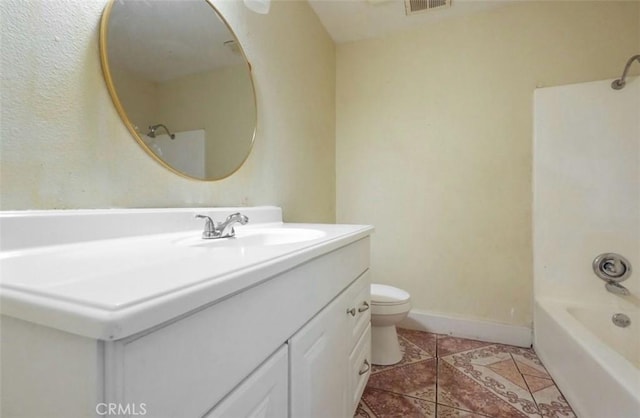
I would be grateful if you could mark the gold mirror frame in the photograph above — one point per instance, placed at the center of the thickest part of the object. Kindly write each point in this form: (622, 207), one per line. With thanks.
(104, 60)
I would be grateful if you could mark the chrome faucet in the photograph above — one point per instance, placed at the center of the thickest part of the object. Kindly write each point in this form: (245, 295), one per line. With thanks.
(214, 230)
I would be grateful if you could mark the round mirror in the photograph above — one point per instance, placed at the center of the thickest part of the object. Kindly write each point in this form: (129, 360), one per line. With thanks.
(181, 83)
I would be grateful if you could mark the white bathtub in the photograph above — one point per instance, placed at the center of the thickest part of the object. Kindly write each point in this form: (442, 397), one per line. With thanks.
(595, 364)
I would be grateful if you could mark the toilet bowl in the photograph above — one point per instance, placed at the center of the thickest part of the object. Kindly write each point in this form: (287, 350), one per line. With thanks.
(389, 306)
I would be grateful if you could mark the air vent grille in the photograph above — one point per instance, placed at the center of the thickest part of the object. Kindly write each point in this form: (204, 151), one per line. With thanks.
(421, 6)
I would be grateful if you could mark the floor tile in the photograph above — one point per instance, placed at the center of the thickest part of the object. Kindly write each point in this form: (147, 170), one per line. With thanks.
(411, 353)
(382, 404)
(363, 410)
(537, 383)
(508, 370)
(449, 345)
(495, 370)
(415, 379)
(426, 341)
(529, 364)
(551, 403)
(456, 389)
(443, 376)
(443, 411)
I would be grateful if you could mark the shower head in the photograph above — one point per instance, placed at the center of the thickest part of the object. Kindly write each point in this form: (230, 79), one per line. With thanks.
(620, 83)
(153, 128)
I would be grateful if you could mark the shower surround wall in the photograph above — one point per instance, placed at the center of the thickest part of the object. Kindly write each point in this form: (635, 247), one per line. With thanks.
(587, 202)
(586, 186)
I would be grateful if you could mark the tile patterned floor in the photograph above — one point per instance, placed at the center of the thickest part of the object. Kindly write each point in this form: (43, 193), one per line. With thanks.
(442, 376)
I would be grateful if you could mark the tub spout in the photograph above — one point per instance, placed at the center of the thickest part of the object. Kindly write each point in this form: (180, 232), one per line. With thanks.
(616, 288)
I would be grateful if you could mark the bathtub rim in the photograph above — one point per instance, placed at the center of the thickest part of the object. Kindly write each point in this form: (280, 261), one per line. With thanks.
(614, 364)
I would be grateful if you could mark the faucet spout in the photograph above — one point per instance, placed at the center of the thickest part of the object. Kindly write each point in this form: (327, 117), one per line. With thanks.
(617, 288)
(226, 228)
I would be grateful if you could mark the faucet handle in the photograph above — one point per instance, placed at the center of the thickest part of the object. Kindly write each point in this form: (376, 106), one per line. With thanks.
(209, 227)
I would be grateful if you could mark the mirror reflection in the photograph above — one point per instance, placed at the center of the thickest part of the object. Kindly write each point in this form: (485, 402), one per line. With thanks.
(181, 83)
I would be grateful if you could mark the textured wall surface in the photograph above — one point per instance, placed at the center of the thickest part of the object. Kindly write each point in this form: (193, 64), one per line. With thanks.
(64, 146)
(434, 137)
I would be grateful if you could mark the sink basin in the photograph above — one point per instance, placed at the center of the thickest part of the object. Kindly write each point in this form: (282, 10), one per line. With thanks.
(259, 237)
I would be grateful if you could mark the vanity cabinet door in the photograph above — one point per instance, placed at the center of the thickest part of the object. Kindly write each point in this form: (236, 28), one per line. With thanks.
(318, 355)
(262, 395)
(330, 356)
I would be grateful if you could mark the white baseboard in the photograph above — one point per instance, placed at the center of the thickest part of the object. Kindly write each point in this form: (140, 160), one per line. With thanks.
(468, 328)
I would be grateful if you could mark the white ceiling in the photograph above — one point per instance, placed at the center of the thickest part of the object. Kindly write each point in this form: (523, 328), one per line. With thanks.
(352, 20)
(163, 40)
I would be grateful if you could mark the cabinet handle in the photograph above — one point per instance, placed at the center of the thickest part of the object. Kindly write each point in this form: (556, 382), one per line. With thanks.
(351, 311)
(364, 307)
(366, 368)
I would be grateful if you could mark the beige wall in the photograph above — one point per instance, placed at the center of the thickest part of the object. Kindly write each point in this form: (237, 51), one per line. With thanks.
(64, 146)
(221, 102)
(434, 139)
(139, 97)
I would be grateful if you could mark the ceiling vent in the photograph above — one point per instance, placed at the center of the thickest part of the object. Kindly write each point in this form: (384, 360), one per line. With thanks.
(422, 6)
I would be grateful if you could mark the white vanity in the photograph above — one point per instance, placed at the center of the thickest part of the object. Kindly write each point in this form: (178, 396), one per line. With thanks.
(131, 313)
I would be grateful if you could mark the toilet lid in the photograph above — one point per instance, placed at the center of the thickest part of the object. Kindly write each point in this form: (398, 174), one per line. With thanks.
(388, 295)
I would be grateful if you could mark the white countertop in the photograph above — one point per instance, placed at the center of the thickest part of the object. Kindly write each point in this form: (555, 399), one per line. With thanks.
(113, 288)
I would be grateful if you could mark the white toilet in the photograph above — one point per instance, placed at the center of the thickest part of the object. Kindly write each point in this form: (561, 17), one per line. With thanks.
(389, 306)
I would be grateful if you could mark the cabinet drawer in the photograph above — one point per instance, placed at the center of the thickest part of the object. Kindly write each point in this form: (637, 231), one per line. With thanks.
(359, 299)
(263, 394)
(359, 369)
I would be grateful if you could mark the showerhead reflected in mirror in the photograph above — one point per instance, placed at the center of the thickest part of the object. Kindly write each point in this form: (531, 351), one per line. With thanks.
(181, 83)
